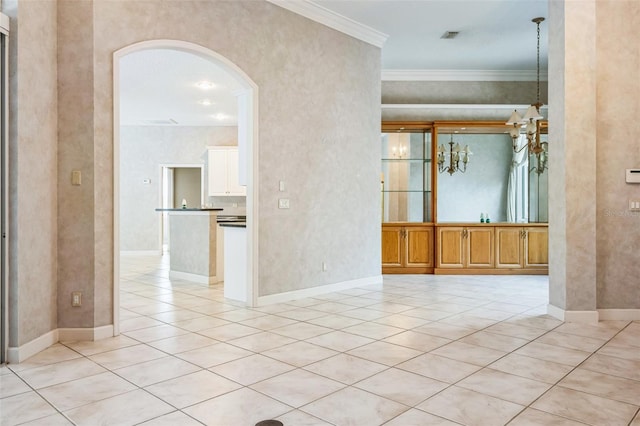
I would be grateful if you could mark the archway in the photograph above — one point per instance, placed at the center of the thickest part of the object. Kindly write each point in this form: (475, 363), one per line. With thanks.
(247, 98)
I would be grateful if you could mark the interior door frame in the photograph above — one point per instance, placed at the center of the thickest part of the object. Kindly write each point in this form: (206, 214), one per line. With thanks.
(4, 188)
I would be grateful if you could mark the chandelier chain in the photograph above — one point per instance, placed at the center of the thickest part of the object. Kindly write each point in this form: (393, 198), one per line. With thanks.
(538, 65)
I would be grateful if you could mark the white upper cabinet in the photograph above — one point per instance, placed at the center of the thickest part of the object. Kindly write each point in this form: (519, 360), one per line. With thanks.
(223, 172)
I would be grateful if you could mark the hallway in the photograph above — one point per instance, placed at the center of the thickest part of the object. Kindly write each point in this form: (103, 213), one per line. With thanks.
(417, 350)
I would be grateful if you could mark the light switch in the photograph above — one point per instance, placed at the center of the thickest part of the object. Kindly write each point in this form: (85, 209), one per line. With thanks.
(634, 205)
(281, 186)
(283, 203)
(76, 177)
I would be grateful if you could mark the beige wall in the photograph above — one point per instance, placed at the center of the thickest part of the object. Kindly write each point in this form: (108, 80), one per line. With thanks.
(594, 96)
(618, 106)
(457, 92)
(318, 97)
(143, 149)
(32, 158)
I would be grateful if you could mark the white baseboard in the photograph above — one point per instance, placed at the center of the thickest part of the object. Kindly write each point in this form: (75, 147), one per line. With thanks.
(587, 317)
(200, 279)
(619, 314)
(315, 291)
(84, 334)
(16, 355)
(140, 252)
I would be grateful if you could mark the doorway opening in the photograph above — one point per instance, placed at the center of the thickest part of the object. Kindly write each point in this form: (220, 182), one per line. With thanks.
(245, 93)
(182, 186)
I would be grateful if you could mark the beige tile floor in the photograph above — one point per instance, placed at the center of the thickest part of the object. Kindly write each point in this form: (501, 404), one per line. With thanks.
(416, 350)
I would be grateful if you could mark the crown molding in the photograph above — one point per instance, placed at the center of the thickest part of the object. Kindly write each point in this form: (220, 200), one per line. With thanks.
(461, 75)
(320, 14)
(457, 106)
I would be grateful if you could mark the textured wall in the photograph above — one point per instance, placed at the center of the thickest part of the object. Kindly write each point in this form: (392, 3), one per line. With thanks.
(319, 109)
(143, 149)
(457, 92)
(483, 187)
(572, 199)
(76, 204)
(618, 95)
(32, 158)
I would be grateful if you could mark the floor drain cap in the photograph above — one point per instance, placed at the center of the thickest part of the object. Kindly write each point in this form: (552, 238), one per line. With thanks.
(269, 423)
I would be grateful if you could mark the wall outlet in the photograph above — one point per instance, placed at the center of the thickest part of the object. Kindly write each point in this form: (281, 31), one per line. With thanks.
(76, 298)
(283, 203)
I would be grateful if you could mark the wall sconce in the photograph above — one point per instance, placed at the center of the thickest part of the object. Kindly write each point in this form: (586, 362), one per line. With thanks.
(455, 155)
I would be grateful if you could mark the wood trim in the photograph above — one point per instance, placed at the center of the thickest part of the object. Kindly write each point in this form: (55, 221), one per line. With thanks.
(404, 270)
(407, 125)
(488, 271)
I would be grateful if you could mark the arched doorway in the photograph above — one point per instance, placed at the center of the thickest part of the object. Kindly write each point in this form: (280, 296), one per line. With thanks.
(247, 101)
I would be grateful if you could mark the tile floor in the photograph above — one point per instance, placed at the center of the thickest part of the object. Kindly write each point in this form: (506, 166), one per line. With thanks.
(417, 350)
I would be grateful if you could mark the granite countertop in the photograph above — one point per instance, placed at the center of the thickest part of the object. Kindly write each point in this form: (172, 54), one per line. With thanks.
(233, 224)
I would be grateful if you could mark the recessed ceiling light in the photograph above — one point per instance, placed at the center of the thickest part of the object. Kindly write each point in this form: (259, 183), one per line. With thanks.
(221, 116)
(205, 85)
(205, 102)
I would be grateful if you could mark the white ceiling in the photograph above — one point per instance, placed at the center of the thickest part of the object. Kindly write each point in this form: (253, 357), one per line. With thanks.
(493, 34)
(159, 86)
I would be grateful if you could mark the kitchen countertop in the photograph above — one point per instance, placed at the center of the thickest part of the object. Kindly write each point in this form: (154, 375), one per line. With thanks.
(233, 224)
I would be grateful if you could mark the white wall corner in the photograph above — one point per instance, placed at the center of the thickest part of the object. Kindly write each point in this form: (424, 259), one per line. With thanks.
(315, 291)
(331, 19)
(585, 317)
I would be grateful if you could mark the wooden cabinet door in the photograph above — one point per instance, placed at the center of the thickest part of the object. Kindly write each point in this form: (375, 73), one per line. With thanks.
(418, 247)
(509, 247)
(536, 248)
(479, 247)
(391, 246)
(450, 247)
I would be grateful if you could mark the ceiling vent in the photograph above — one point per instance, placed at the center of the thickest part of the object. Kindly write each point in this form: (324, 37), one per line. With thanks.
(450, 34)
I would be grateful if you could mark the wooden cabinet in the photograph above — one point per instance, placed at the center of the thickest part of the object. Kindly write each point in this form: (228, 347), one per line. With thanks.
(524, 247)
(407, 249)
(223, 172)
(465, 247)
(492, 249)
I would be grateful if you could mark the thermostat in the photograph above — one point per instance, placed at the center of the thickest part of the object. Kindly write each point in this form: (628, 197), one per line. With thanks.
(633, 175)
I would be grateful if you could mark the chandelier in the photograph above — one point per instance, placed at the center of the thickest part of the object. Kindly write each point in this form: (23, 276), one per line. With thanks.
(531, 120)
(455, 155)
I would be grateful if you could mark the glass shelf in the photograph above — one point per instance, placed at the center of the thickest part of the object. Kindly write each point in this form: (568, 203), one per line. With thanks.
(406, 176)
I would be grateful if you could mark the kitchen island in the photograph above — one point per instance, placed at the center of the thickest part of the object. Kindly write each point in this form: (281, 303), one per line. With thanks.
(192, 244)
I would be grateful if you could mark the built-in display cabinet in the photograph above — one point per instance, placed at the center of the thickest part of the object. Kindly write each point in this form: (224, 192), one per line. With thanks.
(407, 198)
(440, 181)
